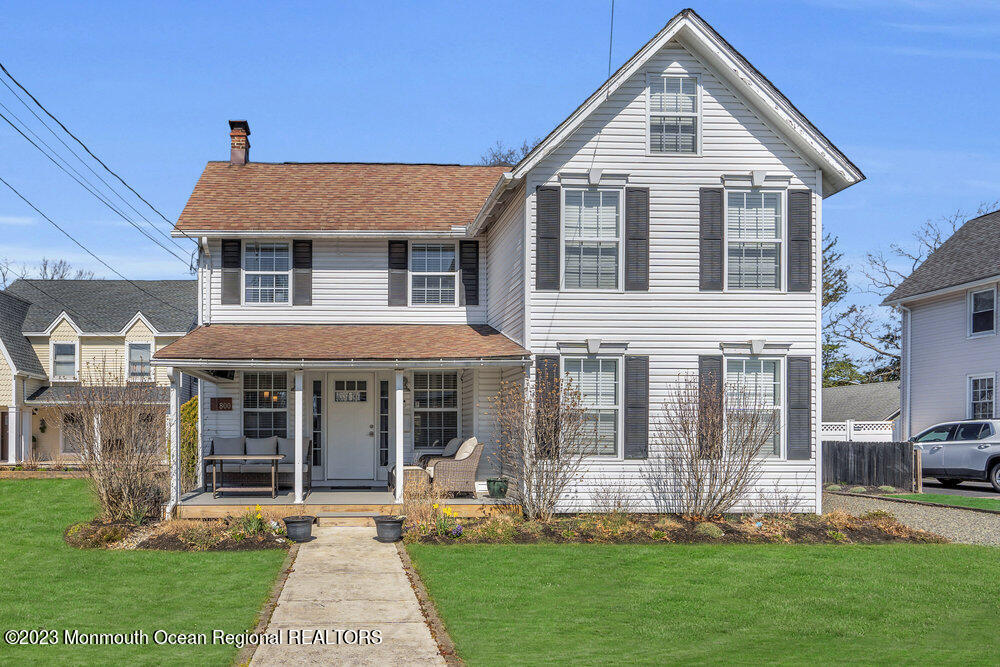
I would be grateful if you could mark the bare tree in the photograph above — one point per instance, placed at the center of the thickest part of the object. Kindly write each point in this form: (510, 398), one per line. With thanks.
(876, 328)
(707, 446)
(118, 429)
(46, 269)
(500, 154)
(545, 434)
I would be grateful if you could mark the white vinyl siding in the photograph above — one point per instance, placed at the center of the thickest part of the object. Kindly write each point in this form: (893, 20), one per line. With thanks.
(981, 397)
(591, 229)
(596, 379)
(503, 264)
(982, 312)
(433, 271)
(674, 107)
(265, 405)
(266, 272)
(753, 239)
(761, 381)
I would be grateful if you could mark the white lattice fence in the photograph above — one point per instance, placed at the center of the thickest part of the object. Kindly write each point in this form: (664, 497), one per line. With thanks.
(851, 430)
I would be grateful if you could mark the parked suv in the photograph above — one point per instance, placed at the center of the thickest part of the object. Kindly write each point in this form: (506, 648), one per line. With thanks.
(958, 451)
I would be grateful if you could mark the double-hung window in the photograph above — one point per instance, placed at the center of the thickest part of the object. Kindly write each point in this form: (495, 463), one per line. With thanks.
(754, 223)
(435, 408)
(592, 225)
(673, 114)
(265, 405)
(758, 382)
(64, 361)
(982, 312)
(981, 397)
(432, 274)
(596, 378)
(266, 272)
(138, 361)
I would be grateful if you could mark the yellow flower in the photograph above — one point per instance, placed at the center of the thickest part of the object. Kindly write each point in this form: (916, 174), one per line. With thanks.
(435, 505)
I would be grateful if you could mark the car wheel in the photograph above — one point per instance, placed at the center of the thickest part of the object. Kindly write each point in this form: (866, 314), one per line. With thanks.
(995, 476)
(949, 483)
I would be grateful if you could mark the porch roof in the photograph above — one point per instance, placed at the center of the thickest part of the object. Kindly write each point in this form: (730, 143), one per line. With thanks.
(228, 345)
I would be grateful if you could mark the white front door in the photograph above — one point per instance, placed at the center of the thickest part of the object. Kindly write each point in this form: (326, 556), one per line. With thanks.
(350, 427)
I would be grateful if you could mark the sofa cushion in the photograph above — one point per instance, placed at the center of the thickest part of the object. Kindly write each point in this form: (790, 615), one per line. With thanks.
(262, 446)
(228, 446)
(465, 450)
(452, 447)
(286, 446)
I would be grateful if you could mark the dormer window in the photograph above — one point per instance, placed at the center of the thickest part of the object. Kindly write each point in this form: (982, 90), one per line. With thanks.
(267, 271)
(138, 361)
(674, 108)
(63, 361)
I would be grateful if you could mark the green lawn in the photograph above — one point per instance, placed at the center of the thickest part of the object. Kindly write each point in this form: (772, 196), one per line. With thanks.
(957, 501)
(596, 604)
(46, 584)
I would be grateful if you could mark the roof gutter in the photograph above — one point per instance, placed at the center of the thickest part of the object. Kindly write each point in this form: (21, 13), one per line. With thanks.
(506, 182)
(943, 290)
(457, 231)
(229, 364)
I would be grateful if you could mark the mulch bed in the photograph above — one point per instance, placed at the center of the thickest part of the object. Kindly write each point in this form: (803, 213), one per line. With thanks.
(181, 535)
(833, 528)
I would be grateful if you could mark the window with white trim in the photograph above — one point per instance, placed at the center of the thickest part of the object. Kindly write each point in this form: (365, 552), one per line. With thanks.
(138, 361)
(591, 227)
(432, 274)
(981, 397)
(596, 378)
(64, 361)
(267, 270)
(754, 224)
(982, 312)
(265, 405)
(435, 408)
(673, 114)
(761, 381)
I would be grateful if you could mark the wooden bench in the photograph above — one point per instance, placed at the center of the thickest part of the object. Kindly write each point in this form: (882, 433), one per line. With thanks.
(217, 473)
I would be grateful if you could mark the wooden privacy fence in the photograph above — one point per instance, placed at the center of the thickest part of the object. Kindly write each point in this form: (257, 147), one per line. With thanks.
(872, 464)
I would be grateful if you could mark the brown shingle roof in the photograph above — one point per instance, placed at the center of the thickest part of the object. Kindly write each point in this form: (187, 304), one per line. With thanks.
(336, 196)
(337, 342)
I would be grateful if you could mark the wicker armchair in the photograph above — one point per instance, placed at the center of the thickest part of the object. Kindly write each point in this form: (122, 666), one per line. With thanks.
(451, 476)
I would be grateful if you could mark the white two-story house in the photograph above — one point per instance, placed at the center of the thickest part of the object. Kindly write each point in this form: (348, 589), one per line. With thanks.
(670, 225)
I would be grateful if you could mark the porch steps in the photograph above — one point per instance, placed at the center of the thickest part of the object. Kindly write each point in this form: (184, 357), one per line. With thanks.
(345, 518)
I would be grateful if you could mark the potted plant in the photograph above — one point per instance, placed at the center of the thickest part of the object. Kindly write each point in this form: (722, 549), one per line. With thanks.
(389, 527)
(496, 487)
(299, 528)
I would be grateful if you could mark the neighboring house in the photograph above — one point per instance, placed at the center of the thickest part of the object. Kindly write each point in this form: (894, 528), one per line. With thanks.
(865, 412)
(950, 354)
(670, 225)
(56, 335)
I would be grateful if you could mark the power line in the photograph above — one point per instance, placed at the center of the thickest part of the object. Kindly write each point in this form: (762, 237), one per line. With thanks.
(80, 159)
(91, 191)
(86, 249)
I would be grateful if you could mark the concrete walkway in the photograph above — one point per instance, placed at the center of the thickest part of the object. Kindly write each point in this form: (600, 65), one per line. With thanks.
(345, 580)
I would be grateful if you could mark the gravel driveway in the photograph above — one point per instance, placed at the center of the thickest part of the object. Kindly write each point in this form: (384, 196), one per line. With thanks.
(957, 525)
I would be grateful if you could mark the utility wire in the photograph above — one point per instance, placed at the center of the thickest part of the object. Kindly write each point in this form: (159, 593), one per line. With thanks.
(96, 195)
(87, 250)
(80, 159)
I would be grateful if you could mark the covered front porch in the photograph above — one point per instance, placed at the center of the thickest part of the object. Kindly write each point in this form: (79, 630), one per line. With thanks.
(350, 407)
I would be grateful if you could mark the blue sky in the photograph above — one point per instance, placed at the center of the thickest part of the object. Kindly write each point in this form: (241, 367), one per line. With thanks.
(907, 88)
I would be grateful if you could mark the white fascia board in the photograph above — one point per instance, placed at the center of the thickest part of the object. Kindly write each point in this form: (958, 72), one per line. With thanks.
(139, 317)
(216, 364)
(61, 317)
(961, 287)
(505, 182)
(454, 233)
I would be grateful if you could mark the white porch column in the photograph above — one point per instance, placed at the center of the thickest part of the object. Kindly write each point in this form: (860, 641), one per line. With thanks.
(397, 414)
(299, 454)
(25, 433)
(174, 435)
(13, 424)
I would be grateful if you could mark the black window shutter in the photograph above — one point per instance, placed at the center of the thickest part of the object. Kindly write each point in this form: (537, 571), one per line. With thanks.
(800, 273)
(547, 244)
(636, 407)
(546, 391)
(468, 258)
(232, 262)
(398, 267)
(636, 239)
(710, 239)
(302, 262)
(709, 405)
(799, 432)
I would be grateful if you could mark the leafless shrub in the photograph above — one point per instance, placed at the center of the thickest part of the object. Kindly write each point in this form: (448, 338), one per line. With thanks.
(545, 434)
(776, 500)
(119, 431)
(707, 446)
(613, 499)
(421, 500)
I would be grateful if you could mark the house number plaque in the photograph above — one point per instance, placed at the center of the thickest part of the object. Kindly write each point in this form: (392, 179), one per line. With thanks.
(222, 404)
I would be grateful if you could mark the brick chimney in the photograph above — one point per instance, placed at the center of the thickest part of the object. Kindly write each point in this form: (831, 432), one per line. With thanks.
(239, 143)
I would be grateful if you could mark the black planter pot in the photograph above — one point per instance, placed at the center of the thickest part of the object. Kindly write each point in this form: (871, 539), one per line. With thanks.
(299, 528)
(389, 528)
(497, 487)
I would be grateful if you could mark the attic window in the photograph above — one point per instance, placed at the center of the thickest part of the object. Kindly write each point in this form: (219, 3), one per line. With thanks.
(674, 109)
